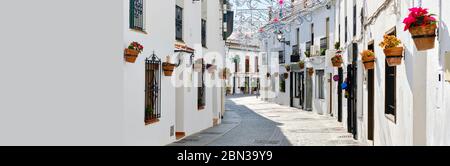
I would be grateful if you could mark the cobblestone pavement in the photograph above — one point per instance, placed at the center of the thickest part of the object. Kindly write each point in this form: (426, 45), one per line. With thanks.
(252, 122)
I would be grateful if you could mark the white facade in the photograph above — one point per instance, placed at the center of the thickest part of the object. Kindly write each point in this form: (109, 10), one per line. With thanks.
(179, 92)
(240, 77)
(421, 116)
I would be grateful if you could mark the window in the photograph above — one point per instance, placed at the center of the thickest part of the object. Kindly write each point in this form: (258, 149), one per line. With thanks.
(308, 49)
(323, 45)
(203, 33)
(282, 83)
(203, 21)
(152, 89)
(179, 23)
(137, 14)
(339, 33)
(391, 88)
(281, 57)
(327, 30)
(320, 84)
(201, 86)
(297, 36)
(247, 64)
(256, 64)
(346, 27)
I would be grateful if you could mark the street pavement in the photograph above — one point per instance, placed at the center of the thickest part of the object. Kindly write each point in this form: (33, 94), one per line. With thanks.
(249, 121)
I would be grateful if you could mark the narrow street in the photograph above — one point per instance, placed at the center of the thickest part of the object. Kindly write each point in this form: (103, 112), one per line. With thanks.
(249, 121)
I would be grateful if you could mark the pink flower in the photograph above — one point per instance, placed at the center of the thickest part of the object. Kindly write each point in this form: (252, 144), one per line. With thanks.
(281, 2)
(275, 20)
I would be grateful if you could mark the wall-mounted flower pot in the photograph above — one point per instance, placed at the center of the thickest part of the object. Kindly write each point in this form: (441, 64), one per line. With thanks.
(368, 59)
(337, 64)
(286, 75)
(301, 65)
(288, 68)
(168, 68)
(394, 56)
(424, 36)
(131, 55)
(369, 64)
(275, 74)
(310, 71)
(268, 75)
(224, 74)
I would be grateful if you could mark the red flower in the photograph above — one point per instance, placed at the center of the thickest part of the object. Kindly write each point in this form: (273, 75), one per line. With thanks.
(418, 17)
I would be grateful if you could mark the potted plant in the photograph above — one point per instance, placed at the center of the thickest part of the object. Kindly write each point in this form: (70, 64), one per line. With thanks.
(310, 71)
(286, 75)
(301, 64)
(337, 45)
(307, 54)
(288, 67)
(393, 53)
(224, 73)
(323, 51)
(168, 67)
(149, 114)
(132, 52)
(368, 58)
(337, 60)
(268, 75)
(422, 27)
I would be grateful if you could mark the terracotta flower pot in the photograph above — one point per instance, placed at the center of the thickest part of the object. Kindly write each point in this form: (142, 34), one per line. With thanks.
(288, 68)
(168, 68)
(337, 64)
(131, 55)
(369, 62)
(310, 71)
(424, 36)
(286, 75)
(394, 56)
(301, 65)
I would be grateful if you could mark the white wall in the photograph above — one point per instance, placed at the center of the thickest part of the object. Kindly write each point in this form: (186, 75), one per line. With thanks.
(160, 39)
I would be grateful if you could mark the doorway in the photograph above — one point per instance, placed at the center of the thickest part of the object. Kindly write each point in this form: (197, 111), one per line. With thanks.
(302, 89)
(291, 89)
(331, 93)
(352, 70)
(339, 91)
(371, 99)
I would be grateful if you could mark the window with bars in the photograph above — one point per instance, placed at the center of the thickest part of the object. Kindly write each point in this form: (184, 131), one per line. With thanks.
(203, 32)
(320, 84)
(137, 14)
(346, 28)
(201, 88)
(152, 89)
(179, 23)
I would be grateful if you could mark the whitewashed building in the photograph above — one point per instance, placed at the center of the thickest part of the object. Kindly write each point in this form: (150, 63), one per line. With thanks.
(402, 105)
(191, 99)
(243, 62)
